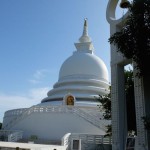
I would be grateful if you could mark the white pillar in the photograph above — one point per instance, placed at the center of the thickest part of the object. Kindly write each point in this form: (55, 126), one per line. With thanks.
(119, 124)
(142, 92)
(140, 112)
(79, 144)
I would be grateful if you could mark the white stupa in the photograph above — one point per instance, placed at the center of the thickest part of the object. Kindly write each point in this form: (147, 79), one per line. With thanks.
(83, 74)
(71, 106)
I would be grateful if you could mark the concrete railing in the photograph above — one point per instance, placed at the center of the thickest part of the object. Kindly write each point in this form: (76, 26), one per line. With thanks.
(52, 109)
(90, 118)
(15, 112)
(84, 140)
(15, 136)
(12, 114)
(90, 138)
(65, 141)
(18, 118)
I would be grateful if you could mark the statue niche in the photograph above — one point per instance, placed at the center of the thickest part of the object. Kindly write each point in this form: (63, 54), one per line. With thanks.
(70, 100)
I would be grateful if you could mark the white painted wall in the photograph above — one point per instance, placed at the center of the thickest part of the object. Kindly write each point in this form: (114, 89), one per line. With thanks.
(55, 125)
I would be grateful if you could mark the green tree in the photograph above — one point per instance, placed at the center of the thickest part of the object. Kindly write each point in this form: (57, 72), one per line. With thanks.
(105, 105)
(130, 100)
(0, 125)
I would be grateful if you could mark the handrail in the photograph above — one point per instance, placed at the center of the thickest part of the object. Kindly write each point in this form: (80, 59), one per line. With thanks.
(15, 112)
(15, 136)
(12, 114)
(15, 120)
(90, 118)
(72, 109)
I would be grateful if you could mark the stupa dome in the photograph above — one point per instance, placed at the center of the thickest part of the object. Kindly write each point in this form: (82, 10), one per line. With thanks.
(83, 74)
(84, 64)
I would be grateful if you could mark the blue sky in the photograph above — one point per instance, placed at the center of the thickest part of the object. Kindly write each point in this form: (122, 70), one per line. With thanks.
(36, 36)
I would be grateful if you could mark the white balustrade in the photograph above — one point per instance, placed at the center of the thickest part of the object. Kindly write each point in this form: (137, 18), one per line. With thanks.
(90, 138)
(15, 112)
(15, 136)
(65, 141)
(62, 109)
(68, 139)
(92, 119)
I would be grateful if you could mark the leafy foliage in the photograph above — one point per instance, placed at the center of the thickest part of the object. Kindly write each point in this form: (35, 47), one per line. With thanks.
(130, 100)
(105, 105)
(33, 137)
(133, 41)
(109, 130)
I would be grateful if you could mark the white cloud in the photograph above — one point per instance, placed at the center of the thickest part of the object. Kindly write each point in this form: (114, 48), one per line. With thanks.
(39, 93)
(32, 97)
(38, 76)
(34, 81)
